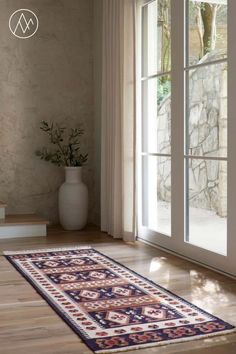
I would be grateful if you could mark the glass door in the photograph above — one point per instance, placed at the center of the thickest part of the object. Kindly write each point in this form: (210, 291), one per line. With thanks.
(155, 154)
(206, 124)
(185, 130)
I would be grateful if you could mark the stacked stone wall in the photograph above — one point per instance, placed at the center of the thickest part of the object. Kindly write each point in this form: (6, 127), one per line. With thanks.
(207, 137)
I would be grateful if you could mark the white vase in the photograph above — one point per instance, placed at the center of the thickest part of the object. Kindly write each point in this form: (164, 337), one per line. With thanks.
(73, 200)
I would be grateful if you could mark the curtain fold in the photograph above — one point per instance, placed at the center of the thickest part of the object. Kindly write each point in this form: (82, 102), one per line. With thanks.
(118, 119)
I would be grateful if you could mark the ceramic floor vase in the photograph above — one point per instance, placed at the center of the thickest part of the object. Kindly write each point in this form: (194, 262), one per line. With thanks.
(73, 200)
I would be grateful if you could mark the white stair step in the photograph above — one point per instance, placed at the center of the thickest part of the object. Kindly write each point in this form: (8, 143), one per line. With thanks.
(23, 225)
(2, 210)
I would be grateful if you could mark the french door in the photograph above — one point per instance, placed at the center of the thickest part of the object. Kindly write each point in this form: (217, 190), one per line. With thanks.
(186, 129)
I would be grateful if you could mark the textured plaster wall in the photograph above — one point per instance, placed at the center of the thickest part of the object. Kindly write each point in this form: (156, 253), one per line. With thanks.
(50, 77)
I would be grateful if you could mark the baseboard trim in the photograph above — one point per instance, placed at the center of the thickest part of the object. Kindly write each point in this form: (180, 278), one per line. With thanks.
(186, 258)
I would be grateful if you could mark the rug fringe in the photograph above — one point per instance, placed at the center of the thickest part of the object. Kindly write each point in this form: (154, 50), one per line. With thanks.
(70, 323)
(10, 253)
(159, 344)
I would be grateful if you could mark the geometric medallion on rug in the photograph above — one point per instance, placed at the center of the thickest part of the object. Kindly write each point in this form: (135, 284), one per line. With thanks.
(109, 306)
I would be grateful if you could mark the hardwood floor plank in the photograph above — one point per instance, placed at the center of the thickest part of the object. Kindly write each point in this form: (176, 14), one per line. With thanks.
(29, 325)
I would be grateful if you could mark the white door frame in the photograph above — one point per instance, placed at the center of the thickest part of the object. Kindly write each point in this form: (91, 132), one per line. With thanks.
(176, 243)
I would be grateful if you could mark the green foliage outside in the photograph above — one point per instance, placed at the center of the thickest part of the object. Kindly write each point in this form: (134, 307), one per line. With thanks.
(205, 18)
(164, 24)
(163, 88)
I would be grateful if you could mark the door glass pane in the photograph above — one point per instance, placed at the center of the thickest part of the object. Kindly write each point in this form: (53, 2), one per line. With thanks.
(207, 119)
(156, 115)
(207, 202)
(156, 192)
(207, 30)
(156, 37)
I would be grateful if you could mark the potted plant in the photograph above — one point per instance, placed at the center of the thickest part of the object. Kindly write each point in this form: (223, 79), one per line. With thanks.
(73, 193)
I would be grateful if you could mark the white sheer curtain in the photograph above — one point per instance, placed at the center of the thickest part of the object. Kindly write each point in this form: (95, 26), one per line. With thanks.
(118, 119)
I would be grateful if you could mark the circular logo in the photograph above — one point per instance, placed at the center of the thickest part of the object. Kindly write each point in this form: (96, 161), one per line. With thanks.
(23, 23)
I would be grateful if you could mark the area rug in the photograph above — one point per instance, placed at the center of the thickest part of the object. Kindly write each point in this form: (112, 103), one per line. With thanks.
(109, 306)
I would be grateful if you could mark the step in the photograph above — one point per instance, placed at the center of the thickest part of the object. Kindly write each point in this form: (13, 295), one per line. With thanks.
(23, 225)
(2, 210)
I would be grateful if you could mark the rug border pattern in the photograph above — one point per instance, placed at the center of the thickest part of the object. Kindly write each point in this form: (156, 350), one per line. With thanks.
(69, 320)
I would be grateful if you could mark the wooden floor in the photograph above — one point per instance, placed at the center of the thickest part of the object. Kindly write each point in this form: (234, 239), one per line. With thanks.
(28, 325)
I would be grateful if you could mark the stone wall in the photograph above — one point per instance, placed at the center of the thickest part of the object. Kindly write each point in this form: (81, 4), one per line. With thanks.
(207, 137)
(46, 77)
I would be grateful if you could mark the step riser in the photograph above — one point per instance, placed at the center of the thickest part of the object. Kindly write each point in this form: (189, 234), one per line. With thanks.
(23, 231)
(2, 213)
